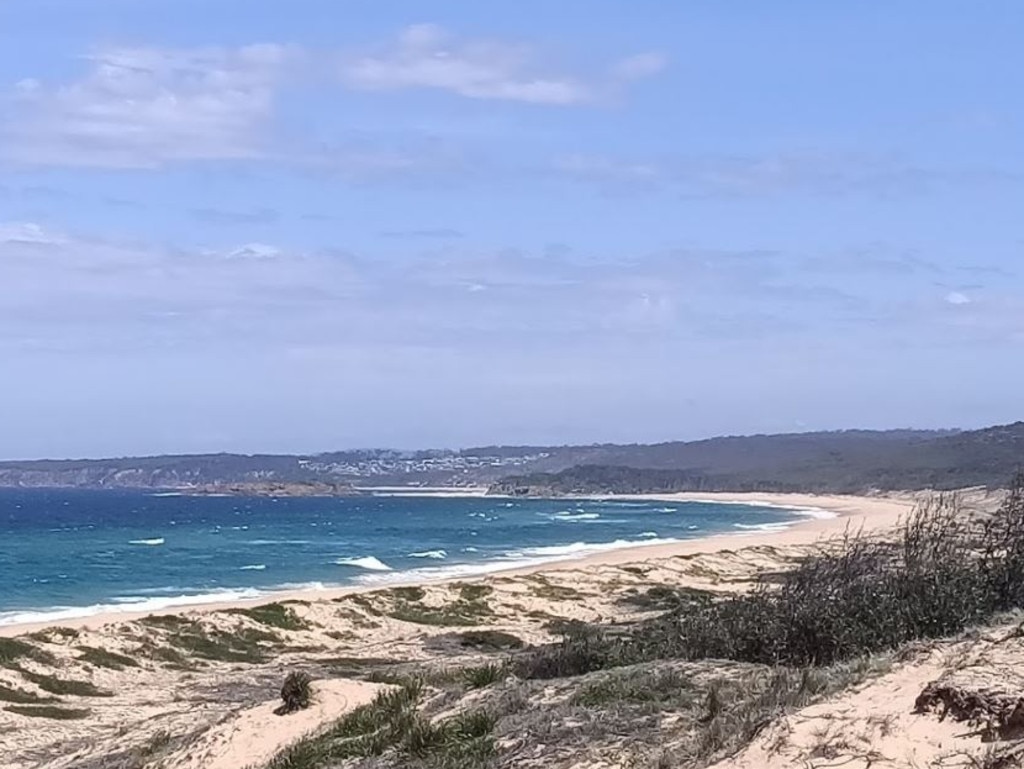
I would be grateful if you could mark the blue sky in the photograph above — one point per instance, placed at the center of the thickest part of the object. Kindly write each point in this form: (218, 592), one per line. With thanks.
(265, 226)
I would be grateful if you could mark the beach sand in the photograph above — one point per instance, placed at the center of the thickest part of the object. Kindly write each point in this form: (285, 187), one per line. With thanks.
(196, 686)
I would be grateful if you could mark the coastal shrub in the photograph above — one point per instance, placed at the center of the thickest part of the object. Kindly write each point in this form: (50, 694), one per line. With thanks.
(296, 693)
(945, 571)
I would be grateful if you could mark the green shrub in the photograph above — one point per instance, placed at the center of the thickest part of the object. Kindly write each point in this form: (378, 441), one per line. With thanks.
(296, 693)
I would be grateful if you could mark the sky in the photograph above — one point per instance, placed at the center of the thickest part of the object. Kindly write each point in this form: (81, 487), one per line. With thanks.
(294, 227)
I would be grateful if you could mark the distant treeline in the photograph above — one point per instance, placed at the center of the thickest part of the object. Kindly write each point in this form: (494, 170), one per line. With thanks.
(846, 462)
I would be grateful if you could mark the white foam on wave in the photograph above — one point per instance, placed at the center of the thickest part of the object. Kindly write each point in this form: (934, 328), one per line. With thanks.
(579, 549)
(439, 555)
(135, 604)
(278, 542)
(366, 562)
(648, 534)
(149, 542)
(167, 494)
(777, 526)
(570, 516)
(253, 567)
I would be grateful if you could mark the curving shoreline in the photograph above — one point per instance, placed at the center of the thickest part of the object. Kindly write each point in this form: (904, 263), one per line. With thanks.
(826, 515)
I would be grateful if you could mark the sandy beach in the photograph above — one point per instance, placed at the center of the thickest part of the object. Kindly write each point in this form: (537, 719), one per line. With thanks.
(827, 516)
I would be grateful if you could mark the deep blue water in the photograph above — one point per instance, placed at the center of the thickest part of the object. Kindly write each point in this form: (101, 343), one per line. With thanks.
(72, 553)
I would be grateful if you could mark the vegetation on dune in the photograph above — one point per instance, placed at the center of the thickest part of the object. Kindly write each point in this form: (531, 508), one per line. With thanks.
(719, 669)
(275, 615)
(21, 697)
(190, 637)
(14, 649)
(49, 711)
(470, 607)
(296, 693)
(63, 686)
(105, 659)
(392, 726)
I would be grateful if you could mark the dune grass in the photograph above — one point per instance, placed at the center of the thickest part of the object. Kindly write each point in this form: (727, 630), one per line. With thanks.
(275, 615)
(21, 697)
(49, 711)
(64, 686)
(392, 727)
(14, 649)
(105, 659)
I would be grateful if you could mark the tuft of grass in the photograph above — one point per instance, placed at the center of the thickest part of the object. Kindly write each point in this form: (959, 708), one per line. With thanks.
(296, 693)
(484, 675)
(105, 659)
(64, 686)
(275, 615)
(391, 727)
(21, 697)
(48, 711)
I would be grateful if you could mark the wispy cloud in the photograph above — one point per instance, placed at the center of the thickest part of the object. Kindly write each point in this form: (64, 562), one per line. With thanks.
(147, 107)
(433, 233)
(430, 57)
(73, 292)
(815, 173)
(232, 218)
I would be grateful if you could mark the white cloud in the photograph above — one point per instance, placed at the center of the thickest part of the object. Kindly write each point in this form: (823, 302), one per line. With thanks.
(428, 56)
(146, 107)
(957, 298)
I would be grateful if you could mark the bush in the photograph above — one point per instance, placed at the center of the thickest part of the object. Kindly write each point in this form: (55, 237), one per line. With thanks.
(296, 692)
(944, 572)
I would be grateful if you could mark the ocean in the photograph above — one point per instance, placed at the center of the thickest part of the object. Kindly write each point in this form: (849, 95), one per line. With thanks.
(66, 554)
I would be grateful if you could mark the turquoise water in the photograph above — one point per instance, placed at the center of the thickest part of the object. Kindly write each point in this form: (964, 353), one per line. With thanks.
(71, 553)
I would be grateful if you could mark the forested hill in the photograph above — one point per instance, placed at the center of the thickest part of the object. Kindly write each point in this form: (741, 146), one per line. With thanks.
(821, 462)
(851, 460)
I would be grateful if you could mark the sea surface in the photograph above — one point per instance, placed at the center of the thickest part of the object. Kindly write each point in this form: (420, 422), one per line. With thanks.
(66, 554)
